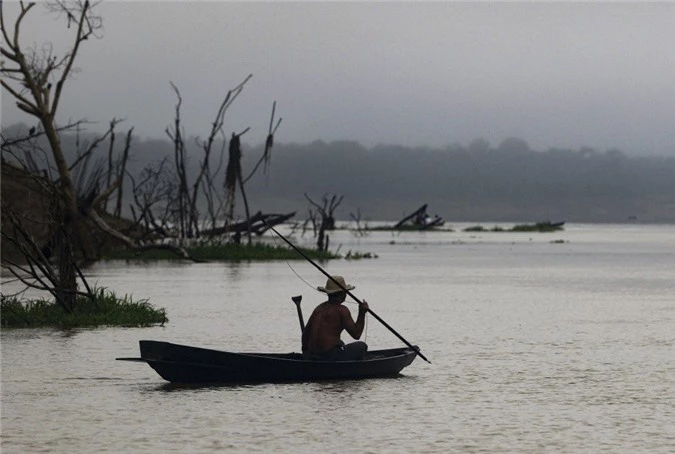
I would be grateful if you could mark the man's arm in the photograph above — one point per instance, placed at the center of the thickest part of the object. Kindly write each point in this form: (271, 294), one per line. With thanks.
(355, 329)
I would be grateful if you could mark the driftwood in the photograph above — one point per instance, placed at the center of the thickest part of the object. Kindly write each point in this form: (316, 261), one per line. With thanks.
(420, 219)
(132, 245)
(259, 224)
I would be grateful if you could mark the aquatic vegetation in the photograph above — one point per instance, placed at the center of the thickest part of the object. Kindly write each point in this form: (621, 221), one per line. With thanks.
(476, 228)
(104, 309)
(538, 227)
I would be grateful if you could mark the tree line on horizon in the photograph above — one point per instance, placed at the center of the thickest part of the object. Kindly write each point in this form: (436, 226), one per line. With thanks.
(510, 182)
(476, 182)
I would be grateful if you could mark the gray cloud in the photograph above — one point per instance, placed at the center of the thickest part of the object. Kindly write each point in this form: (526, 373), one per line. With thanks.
(555, 74)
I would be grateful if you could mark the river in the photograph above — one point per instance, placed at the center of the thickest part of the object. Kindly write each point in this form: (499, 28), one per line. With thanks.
(558, 342)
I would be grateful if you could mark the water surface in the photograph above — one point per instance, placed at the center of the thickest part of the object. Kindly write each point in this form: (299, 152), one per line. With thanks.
(559, 342)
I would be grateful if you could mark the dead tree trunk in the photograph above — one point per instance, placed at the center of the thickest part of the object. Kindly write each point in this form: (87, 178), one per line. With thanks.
(122, 172)
(327, 221)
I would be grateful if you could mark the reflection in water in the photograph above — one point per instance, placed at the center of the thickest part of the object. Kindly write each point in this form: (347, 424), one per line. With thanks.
(188, 388)
(235, 269)
(320, 386)
(535, 347)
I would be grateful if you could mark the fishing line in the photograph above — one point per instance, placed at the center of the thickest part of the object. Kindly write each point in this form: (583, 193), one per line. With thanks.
(294, 272)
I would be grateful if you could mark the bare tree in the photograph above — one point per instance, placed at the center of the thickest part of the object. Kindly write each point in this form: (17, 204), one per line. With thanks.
(180, 161)
(215, 202)
(34, 266)
(187, 197)
(269, 143)
(121, 171)
(361, 230)
(162, 198)
(327, 221)
(152, 197)
(234, 175)
(36, 80)
(205, 176)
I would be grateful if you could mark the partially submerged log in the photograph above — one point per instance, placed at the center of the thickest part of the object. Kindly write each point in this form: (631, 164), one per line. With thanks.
(420, 219)
(259, 224)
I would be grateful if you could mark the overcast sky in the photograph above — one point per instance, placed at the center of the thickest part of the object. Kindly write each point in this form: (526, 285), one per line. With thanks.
(429, 74)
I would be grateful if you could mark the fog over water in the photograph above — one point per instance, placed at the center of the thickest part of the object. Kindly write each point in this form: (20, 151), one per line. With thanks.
(554, 74)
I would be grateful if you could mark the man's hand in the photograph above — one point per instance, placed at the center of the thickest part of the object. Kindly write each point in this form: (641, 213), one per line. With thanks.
(363, 306)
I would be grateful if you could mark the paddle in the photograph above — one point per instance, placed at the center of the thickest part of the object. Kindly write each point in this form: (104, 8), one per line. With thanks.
(296, 300)
(377, 317)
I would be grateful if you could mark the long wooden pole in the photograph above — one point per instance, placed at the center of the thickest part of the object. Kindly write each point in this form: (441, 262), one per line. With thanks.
(377, 317)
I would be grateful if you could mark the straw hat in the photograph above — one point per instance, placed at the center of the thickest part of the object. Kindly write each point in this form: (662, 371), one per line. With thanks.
(331, 287)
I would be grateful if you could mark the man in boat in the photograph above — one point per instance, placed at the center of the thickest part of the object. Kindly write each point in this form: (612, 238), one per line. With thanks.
(321, 337)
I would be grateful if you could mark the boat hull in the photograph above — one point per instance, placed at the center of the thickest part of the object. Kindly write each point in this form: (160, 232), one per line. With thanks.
(184, 364)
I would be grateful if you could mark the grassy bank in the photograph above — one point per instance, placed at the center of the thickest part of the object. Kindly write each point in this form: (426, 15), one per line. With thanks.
(105, 309)
(223, 252)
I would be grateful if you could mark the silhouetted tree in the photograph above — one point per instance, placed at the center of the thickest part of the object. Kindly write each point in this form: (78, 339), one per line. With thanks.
(37, 81)
(327, 218)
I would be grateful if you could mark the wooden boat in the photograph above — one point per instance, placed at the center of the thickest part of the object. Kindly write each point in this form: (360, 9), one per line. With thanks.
(183, 364)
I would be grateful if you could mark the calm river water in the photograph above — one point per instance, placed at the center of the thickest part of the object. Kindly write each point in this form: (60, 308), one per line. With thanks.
(558, 342)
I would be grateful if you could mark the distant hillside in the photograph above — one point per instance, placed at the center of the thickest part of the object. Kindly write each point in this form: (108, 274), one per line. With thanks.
(474, 183)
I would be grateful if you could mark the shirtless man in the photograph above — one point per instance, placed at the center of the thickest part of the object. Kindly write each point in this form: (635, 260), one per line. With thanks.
(321, 337)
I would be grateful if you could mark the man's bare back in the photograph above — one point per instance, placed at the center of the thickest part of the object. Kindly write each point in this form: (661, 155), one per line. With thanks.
(326, 324)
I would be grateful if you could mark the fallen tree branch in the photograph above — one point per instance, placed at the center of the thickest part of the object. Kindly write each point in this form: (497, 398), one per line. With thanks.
(131, 244)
